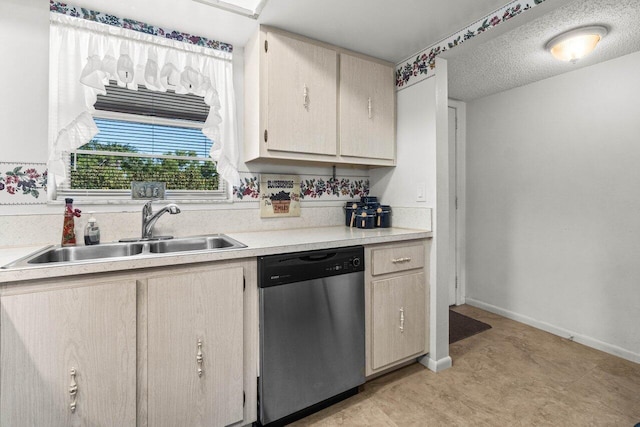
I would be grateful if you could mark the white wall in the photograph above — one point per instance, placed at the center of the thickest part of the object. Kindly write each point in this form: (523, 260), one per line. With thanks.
(24, 31)
(416, 146)
(415, 153)
(553, 205)
(24, 27)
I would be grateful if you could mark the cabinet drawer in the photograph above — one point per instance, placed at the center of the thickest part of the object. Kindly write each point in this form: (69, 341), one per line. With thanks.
(390, 260)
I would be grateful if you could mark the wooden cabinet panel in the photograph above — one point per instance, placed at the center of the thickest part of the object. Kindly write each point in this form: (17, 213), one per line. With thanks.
(43, 335)
(367, 108)
(398, 318)
(397, 304)
(397, 258)
(292, 95)
(183, 310)
(301, 96)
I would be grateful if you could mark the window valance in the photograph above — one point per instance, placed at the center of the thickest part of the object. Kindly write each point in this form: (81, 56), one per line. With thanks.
(86, 55)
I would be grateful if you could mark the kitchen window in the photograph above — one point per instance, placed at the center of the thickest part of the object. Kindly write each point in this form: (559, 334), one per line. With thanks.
(131, 105)
(146, 136)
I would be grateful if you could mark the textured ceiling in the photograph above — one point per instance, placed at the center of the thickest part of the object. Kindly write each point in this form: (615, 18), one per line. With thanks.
(390, 30)
(518, 57)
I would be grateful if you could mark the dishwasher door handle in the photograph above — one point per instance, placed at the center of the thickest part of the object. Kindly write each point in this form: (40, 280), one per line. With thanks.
(314, 258)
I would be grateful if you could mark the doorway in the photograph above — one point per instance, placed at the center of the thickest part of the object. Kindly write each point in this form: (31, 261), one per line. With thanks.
(456, 116)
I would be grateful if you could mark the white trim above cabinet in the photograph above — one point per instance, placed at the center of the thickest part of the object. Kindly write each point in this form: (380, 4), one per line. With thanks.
(313, 102)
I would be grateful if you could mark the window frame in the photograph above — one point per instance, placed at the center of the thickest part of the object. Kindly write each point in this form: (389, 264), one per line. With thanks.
(222, 194)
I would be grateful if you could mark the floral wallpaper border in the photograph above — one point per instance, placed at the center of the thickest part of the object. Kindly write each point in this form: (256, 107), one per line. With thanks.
(324, 188)
(26, 184)
(412, 71)
(23, 183)
(131, 24)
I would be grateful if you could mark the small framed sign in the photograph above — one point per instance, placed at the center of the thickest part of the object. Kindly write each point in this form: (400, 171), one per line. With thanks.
(142, 190)
(279, 195)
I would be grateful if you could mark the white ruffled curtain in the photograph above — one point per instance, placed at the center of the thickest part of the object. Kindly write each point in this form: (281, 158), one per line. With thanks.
(85, 55)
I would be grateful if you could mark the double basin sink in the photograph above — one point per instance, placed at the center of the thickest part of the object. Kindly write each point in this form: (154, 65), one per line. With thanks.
(140, 248)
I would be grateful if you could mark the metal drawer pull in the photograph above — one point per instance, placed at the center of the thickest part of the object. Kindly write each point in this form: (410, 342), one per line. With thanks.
(370, 116)
(305, 97)
(200, 359)
(402, 320)
(73, 391)
(400, 260)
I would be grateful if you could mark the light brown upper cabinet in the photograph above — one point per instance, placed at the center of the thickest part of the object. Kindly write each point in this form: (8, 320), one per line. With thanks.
(301, 96)
(312, 102)
(367, 108)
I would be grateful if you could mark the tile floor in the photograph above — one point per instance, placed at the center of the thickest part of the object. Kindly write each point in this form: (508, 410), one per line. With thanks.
(510, 375)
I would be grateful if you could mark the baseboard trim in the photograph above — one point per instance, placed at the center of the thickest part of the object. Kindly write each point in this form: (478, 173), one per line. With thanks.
(436, 365)
(561, 332)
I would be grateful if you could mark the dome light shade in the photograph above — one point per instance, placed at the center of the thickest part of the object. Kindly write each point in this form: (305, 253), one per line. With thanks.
(575, 44)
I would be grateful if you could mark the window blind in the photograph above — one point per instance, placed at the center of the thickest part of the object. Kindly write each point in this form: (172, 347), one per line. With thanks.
(145, 102)
(148, 138)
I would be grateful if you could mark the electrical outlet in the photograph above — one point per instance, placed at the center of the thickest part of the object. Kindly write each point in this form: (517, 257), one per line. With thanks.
(421, 192)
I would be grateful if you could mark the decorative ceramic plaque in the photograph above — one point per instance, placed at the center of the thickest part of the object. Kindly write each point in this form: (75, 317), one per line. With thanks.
(148, 190)
(279, 195)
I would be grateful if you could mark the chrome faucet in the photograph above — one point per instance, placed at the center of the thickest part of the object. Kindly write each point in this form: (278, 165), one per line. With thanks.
(149, 218)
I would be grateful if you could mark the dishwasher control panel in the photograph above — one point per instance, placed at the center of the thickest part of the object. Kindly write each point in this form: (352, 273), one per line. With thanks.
(281, 269)
(351, 264)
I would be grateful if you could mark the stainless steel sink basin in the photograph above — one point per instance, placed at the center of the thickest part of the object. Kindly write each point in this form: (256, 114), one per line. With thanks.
(194, 244)
(82, 253)
(141, 249)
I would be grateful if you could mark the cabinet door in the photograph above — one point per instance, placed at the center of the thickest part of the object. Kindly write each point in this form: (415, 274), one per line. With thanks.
(301, 96)
(398, 318)
(195, 340)
(367, 109)
(45, 335)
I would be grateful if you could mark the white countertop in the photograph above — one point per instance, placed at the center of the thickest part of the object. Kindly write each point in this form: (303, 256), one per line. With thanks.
(258, 244)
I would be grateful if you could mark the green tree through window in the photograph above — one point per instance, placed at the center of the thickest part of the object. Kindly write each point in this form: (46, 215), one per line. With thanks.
(97, 171)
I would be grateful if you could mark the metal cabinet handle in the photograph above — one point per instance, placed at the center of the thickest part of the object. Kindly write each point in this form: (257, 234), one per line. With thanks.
(305, 97)
(402, 320)
(200, 359)
(401, 260)
(73, 390)
(369, 103)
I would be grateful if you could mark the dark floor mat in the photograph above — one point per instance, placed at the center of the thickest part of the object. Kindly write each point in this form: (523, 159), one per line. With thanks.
(461, 326)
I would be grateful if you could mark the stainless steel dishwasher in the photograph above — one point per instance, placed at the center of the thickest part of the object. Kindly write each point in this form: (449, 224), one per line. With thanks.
(311, 331)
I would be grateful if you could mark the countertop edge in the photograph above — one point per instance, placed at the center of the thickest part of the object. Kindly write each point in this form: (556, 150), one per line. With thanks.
(258, 244)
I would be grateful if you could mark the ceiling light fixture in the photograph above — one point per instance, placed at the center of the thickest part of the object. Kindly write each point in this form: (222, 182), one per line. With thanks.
(577, 43)
(248, 8)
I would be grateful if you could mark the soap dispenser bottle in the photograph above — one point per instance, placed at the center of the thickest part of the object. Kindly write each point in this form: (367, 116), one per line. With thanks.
(68, 227)
(91, 231)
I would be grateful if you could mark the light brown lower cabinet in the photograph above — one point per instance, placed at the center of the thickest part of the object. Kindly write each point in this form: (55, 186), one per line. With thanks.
(398, 319)
(68, 356)
(397, 304)
(171, 346)
(175, 346)
(194, 347)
